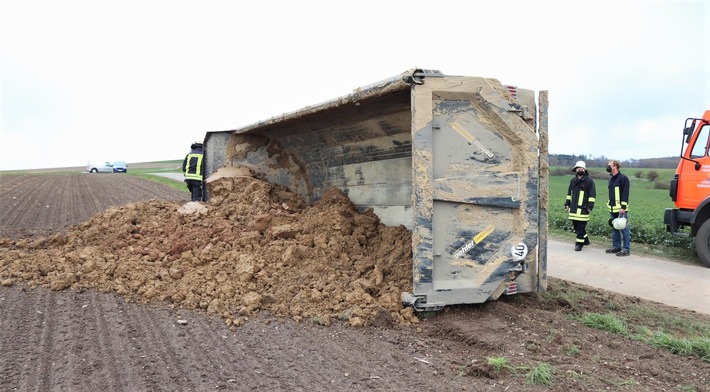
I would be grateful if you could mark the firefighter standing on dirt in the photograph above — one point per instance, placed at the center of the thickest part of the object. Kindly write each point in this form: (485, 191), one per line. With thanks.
(581, 196)
(192, 168)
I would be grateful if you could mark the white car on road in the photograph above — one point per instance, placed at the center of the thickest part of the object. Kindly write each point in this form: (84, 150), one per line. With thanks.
(108, 167)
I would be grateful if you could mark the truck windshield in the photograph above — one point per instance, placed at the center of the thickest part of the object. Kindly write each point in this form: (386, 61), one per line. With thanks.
(701, 143)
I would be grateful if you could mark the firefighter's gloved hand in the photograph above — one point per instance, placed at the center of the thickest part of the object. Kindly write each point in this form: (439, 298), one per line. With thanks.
(585, 211)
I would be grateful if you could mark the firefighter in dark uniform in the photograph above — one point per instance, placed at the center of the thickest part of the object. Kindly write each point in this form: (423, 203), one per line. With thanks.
(192, 168)
(581, 196)
(618, 206)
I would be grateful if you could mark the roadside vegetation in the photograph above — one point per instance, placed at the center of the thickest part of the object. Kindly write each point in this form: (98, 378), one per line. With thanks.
(648, 199)
(684, 334)
(675, 333)
(163, 167)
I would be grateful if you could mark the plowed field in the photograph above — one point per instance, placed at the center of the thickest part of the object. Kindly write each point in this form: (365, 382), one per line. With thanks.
(41, 203)
(110, 282)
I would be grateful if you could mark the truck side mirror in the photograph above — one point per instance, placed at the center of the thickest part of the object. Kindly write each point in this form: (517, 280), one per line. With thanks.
(688, 130)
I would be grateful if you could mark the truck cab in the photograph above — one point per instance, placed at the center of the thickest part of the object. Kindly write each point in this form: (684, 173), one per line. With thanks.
(690, 187)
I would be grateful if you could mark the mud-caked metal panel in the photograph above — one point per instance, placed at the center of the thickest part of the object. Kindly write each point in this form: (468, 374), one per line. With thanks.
(214, 153)
(475, 174)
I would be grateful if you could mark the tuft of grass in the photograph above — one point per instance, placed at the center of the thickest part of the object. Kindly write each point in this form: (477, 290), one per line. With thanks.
(498, 363)
(542, 374)
(625, 383)
(680, 326)
(460, 372)
(672, 344)
(552, 335)
(695, 345)
(699, 346)
(572, 351)
(605, 322)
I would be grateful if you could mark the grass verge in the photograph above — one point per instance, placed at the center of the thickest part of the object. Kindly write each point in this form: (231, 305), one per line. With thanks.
(179, 185)
(684, 334)
(682, 255)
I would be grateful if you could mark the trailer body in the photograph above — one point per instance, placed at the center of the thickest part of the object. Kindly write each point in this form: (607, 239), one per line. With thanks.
(460, 161)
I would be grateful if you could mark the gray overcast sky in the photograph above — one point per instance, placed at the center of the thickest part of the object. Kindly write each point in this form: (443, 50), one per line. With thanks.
(140, 80)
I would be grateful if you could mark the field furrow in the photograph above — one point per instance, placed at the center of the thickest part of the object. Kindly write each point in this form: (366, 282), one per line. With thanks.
(37, 203)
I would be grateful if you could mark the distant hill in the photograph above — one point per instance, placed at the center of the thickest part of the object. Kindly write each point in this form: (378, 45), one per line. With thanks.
(174, 164)
(648, 163)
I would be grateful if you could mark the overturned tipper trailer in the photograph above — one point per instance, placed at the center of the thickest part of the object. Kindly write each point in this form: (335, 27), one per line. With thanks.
(460, 161)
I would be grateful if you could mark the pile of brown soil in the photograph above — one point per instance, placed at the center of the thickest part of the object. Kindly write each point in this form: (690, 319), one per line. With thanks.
(254, 246)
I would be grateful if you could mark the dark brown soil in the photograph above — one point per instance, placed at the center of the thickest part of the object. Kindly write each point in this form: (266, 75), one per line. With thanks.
(117, 283)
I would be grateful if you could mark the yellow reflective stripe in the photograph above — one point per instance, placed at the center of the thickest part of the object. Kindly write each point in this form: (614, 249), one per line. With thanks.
(580, 199)
(578, 217)
(616, 207)
(592, 200)
(198, 174)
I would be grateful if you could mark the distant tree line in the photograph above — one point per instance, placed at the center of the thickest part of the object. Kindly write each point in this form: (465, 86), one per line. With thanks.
(566, 160)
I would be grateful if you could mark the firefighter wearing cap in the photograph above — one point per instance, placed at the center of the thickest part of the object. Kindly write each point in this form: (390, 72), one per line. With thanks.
(192, 169)
(581, 195)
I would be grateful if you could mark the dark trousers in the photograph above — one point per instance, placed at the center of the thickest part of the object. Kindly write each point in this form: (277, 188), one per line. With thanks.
(580, 227)
(195, 188)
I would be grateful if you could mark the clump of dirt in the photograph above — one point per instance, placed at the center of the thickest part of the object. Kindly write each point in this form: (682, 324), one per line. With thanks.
(254, 246)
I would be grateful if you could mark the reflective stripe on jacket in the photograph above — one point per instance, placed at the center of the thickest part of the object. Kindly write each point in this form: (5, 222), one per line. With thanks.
(581, 196)
(192, 166)
(618, 193)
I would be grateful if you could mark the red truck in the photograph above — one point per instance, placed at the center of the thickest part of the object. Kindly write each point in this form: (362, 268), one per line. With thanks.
(690, 187)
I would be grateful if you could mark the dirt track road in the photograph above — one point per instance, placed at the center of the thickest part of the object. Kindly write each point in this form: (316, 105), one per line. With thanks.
(672, 283)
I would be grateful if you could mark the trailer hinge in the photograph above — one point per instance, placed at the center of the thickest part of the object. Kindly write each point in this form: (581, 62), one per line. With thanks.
(522, 111)
(417, 77)
(419, 303)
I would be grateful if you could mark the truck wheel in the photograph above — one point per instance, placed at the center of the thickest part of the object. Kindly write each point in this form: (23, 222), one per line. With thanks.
(702, 243)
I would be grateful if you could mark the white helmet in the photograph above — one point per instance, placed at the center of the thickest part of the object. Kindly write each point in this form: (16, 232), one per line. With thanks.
(619, 223)
(579, 164)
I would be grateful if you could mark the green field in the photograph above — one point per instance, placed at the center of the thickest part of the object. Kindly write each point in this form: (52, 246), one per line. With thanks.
(646, 207)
